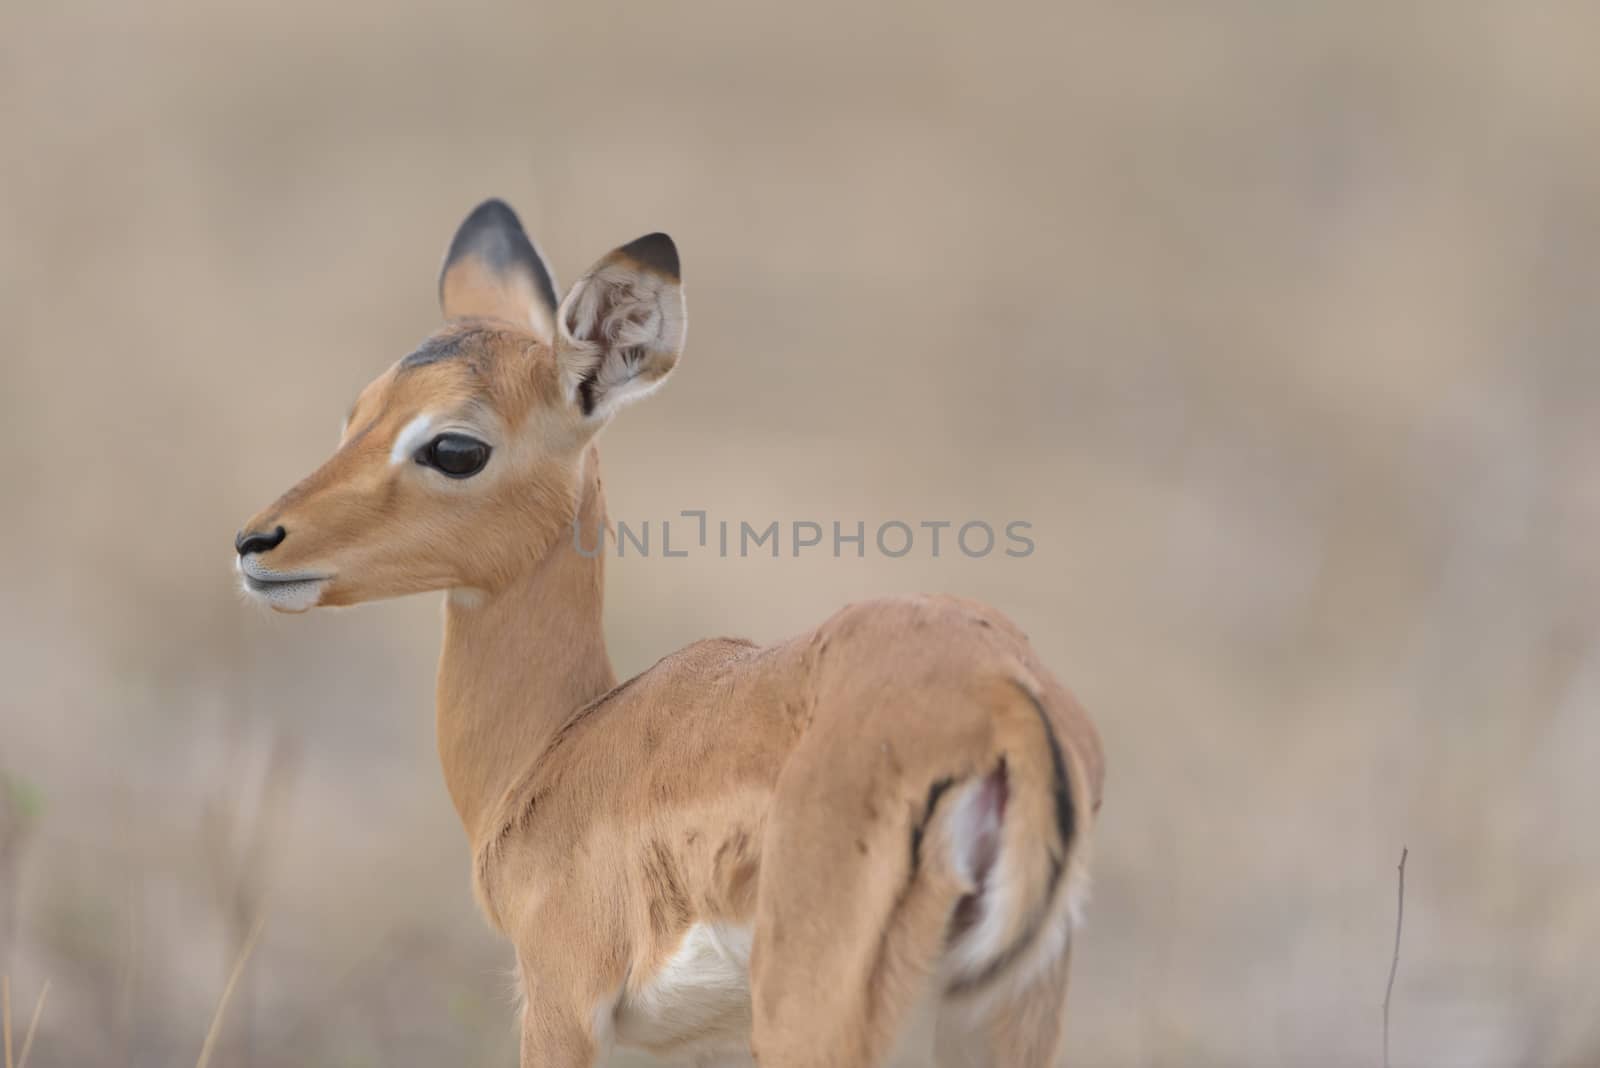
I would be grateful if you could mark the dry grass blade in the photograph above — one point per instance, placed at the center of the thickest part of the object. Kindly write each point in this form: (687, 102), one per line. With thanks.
(227, 992)
(1394, 963)
(33, 1025)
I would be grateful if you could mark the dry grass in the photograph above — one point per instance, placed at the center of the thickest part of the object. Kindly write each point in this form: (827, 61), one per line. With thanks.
(215, 1030)
(1394, 961)
(19, 1060)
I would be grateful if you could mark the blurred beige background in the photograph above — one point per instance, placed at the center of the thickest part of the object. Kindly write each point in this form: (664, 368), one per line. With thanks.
(1276, 321)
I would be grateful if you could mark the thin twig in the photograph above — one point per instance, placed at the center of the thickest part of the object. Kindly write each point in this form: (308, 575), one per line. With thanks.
(1394, 965)
(227, 992)
(5, 1011)
(33, 1024)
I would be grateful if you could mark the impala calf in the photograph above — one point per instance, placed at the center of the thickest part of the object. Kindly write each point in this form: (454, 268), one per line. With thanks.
(768, 850)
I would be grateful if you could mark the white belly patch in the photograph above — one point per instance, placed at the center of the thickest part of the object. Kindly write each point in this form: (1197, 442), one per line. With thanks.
(699, 1001)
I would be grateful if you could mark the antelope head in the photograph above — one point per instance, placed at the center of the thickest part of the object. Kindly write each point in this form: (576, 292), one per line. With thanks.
(461, 465)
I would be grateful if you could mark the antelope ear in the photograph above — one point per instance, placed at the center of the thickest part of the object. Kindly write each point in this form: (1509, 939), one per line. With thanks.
(621, 327)
(493, 271)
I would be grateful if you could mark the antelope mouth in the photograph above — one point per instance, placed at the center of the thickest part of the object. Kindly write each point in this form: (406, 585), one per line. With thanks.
(284, 591)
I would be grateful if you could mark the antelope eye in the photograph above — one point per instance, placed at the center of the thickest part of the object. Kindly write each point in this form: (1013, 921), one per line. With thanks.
(455, 455)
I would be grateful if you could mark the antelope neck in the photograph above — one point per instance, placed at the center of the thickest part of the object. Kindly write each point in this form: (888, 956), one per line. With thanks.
(517, 662)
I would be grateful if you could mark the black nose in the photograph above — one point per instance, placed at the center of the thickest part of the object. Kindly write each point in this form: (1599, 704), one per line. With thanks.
(257, 542)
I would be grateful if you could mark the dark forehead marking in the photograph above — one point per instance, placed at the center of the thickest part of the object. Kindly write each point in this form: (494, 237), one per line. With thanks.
(440, 347)
(363, 432)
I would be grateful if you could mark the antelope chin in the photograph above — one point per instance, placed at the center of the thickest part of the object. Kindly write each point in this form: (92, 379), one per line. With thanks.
(281, 592)
(293, 595)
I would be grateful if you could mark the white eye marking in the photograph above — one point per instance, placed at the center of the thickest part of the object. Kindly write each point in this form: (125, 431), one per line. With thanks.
(410, 439)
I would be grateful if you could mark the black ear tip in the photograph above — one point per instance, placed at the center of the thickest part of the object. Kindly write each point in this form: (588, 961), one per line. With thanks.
(492, 213)
(492, 230)
(494, 235)
(655, 251)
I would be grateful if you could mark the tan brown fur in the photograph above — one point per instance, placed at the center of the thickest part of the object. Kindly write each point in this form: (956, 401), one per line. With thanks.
(807, 791)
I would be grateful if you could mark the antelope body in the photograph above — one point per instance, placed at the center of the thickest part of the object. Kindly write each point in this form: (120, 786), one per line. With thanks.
(743, 851)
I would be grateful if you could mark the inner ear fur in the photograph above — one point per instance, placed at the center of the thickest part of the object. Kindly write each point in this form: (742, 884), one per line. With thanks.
(621, 328)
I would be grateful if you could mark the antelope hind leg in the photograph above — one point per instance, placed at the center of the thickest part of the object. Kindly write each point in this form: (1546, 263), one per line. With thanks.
(1024, 1030)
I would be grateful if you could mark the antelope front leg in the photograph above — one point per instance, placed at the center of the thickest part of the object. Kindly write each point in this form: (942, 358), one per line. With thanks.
(551, 1044)
(559, 1018)
(554, 1037)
